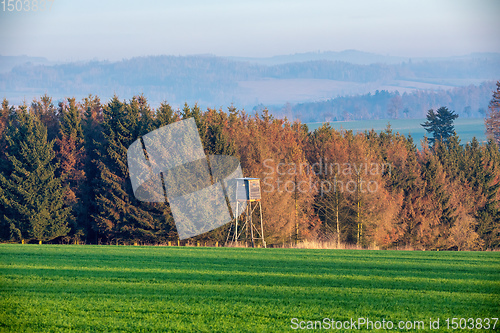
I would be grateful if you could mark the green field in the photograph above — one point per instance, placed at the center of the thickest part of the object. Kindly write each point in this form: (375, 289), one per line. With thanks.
(466, 128)
(54, 288)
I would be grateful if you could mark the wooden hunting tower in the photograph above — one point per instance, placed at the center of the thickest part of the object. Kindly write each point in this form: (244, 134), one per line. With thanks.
(248, 189)
(248, 199)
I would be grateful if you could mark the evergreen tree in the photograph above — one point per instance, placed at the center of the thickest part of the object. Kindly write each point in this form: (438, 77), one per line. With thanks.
(440, 124)
(30, 195)
(165, 115)
(71, 155)
(112, 198)
(216, 141)
(147, 121)
(92, 129)
(489, 178)
(492, 120)
(433, 231)
(451, 155)
(149, 222)
(197, 114)
(5, 114)
(119, 216)
(45, 110)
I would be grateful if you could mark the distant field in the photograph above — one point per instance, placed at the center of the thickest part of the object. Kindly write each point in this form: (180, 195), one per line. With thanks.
(465, 128)
(54, 288)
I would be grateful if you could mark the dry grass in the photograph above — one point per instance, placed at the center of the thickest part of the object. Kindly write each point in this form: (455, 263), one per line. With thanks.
(327, 245)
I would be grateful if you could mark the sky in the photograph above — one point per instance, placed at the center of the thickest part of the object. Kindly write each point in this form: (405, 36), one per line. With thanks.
(113, 30)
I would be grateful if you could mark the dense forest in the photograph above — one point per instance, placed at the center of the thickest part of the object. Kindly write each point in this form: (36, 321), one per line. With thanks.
(469, 102)
(64, 178)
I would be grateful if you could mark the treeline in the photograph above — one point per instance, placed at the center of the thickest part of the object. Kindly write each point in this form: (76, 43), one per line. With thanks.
(212, 80)
(469, 102)
(64, 178)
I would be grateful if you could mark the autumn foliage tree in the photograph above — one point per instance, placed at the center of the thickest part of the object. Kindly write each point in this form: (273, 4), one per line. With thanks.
(64, 174)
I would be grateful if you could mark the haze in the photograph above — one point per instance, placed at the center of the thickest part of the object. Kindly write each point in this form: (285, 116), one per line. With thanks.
(113, 30)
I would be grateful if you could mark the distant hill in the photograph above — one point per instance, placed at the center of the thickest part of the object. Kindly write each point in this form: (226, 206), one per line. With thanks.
(350, 56)
(468, 102)
(217, 82)
(9, 62)
(359, 57)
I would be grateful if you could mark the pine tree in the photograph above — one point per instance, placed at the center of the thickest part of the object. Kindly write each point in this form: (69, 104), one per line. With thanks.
(492, 120)
(30, 195)
(440, 124)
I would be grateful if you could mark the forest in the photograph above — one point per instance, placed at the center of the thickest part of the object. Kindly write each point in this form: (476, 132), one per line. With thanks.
(64, 178)
(468, 102)
(212, 81)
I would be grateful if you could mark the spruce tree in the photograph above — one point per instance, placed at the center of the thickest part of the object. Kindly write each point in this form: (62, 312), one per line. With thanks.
(440, 124)
(166, 230)
(492, 120)
(120, 217)
(5, 114)
(164, 115)
(92, 129)
(71, 155)
(31, 195)
(216, 141)
(45, 110)
(112, 199)
(489, 215)
(436, 182)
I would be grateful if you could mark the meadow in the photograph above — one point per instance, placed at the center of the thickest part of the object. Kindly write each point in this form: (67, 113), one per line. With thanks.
(82, 288)
(466, 128)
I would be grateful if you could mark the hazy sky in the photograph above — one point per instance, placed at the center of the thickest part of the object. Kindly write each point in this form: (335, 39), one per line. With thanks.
(87, 29)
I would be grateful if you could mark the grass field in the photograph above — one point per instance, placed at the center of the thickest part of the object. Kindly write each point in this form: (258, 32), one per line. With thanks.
(53, 288)
(466, 128)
